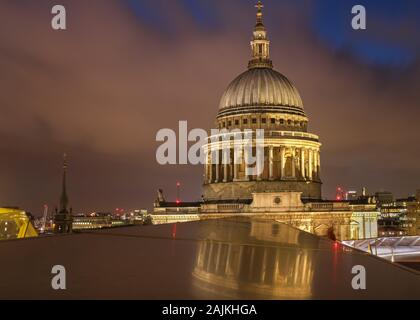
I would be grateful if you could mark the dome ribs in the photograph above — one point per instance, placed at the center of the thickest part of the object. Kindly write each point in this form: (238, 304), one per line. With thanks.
(262, 87)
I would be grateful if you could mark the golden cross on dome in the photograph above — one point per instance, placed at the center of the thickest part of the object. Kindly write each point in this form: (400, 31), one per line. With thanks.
(259, 6)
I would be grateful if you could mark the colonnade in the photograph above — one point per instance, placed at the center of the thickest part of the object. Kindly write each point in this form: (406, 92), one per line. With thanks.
(280, 163)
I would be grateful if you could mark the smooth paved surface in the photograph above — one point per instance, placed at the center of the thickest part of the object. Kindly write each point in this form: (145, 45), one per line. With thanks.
(219, 259)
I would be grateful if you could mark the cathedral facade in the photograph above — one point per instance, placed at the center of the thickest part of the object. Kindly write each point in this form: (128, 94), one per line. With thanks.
(263, 99)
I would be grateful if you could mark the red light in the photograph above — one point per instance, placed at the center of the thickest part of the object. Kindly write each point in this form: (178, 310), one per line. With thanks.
(178, 202)
(338, 198)
(178, 184)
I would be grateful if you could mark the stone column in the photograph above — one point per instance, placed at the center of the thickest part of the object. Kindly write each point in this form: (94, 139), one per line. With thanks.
(319, 164)
(283, 161)
(293, 162)
(310, 174)
(259, 176)
(237, 158)
(315, 174)
(218, 167)
(302, 163)
(271, 162)
(206, 171)
(226, 160)
(245, 160)
(210, 167)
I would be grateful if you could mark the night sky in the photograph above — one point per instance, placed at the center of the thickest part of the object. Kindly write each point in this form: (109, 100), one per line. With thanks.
(124, 69)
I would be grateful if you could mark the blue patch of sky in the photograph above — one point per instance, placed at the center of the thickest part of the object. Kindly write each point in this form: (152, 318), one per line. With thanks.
(332, 23)
(203, 12)
(148, 13)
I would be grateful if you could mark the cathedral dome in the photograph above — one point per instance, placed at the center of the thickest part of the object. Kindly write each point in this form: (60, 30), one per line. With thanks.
(260, 89)
(261, 109)
(264, 88)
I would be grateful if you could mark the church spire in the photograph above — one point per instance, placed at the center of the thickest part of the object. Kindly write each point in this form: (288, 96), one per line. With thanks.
(260, 44)
(63, 218)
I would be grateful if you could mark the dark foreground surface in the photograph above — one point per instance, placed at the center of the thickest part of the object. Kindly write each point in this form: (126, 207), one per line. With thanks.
(220, 259)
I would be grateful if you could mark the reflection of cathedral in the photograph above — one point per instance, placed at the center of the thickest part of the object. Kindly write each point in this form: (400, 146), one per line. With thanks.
(262, 98)
(289, 187)
(272, 265)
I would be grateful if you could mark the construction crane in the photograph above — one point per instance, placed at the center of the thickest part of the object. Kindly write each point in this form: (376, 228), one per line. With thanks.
(44, 218)
(341, 194)
(178, 191)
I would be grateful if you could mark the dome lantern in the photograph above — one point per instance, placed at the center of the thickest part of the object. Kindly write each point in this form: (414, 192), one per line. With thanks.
(260, 44)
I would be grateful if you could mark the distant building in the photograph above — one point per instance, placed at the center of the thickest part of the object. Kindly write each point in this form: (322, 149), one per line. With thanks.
(413, 214)
(351, 195)
(63, 218)
(398, 218)
(104, 220)
(94, 222)
(384, 197)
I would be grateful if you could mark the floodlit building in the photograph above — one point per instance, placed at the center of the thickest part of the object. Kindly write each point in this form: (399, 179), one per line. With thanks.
(288, 189)
(340, 220)
(263, 99)
(15, 224)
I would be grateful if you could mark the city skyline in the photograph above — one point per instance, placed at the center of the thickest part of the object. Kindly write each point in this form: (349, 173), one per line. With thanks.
(188, 150)
(98, 95)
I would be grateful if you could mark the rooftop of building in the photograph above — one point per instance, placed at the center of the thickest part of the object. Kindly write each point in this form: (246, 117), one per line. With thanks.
(176, 262)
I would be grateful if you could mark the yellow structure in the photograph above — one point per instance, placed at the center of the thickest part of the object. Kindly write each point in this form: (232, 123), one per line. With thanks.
(15, 224)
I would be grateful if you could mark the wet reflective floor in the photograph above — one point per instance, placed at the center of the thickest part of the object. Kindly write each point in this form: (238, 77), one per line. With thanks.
(214, 259)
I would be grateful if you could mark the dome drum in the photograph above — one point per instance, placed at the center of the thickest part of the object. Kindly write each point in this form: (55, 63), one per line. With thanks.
(260, 109)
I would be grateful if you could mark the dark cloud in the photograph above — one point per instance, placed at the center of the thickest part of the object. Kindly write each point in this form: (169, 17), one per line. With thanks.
(102, 89)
